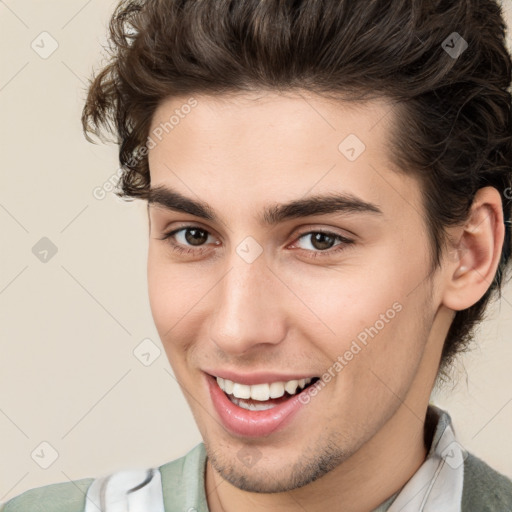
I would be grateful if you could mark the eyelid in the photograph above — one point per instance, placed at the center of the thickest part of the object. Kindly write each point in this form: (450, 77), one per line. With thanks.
(331, 230)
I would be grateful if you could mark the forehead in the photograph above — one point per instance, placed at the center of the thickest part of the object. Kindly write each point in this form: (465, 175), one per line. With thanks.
(276, 146)
(292, 119)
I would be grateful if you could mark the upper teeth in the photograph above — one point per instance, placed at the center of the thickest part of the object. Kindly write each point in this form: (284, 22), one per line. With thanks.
(261, 391)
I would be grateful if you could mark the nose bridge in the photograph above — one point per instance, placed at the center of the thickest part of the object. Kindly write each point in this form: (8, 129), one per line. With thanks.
(247, 311)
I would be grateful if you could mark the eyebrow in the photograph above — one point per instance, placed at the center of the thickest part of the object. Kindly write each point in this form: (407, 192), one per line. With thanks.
(274, 214)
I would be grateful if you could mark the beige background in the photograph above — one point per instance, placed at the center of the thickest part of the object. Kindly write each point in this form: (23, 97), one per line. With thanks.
(69, 327)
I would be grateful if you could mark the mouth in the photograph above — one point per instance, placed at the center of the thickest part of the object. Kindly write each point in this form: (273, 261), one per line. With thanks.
(264, 396)
(261, 409)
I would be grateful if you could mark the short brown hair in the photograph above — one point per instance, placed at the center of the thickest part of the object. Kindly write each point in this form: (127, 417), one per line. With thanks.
(455, 131)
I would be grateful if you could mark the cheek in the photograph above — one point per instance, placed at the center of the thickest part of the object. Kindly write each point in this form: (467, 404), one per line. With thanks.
(166, 290)
(364, 312)
(176, 293)
(346, 300)
(157, 286)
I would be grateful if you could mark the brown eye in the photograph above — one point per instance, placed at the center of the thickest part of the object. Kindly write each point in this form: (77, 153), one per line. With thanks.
(319, 241)
(322, 241)
(189, 237)
(195, 236)
(316, 244)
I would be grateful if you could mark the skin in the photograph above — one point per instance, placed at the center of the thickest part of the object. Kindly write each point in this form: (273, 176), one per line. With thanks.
(361, 438)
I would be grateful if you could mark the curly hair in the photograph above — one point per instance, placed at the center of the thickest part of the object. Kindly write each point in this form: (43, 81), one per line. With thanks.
(443, 63)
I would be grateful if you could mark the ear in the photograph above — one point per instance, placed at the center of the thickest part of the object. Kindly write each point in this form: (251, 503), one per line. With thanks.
(471, 265)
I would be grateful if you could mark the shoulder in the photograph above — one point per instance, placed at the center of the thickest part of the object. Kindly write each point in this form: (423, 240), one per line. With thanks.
(188, 465)
(60, 497)
(183, 481)
(485, 490)
(180, 483)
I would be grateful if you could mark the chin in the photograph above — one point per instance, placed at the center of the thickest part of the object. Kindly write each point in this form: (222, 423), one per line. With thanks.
(263, 476)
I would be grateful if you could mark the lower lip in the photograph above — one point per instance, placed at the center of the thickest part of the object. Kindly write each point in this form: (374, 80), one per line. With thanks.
(246, 423)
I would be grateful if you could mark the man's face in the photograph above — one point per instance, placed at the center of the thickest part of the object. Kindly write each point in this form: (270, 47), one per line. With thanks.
(245, 293)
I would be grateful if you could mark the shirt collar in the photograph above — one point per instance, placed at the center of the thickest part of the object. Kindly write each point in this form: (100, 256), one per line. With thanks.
(437, 484)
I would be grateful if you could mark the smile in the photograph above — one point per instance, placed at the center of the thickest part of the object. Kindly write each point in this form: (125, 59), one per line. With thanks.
(244, 395)
(258, 409)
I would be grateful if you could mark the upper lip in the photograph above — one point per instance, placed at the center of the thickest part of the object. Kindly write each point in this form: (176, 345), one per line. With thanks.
(265, 377)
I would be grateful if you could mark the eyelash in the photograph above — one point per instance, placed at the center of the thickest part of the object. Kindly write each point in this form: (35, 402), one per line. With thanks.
(311, 254)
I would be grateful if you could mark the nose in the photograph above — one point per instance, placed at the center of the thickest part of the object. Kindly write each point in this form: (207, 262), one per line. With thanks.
(249, 311)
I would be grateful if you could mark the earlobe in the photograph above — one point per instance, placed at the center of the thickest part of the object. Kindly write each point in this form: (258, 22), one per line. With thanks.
(480, 242)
